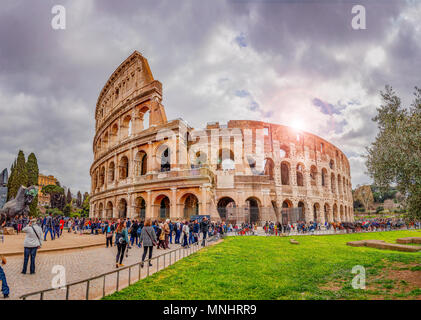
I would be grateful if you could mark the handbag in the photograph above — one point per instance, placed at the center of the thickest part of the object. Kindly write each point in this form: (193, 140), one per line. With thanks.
(153, 241)
(37, 236)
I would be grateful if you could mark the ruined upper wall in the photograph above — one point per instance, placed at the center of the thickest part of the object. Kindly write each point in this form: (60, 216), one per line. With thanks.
(133, 74)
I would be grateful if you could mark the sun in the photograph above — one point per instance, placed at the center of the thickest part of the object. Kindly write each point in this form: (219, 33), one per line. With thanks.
(297, 124)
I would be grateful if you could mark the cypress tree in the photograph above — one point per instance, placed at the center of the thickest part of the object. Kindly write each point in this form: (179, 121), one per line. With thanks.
(10, 183)
(21, 173)
(69, 196)
(33, 172)
(79, 199)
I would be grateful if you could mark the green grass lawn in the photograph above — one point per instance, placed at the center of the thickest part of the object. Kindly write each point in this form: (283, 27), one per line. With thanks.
(272, 268)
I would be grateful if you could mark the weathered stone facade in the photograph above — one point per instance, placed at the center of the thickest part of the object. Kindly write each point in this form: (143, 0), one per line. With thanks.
(243, 169)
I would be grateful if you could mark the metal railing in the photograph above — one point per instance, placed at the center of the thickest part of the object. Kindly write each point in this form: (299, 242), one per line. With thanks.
(170, 256)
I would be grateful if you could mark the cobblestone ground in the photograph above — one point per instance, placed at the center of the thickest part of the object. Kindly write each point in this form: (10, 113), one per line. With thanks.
(79, 265)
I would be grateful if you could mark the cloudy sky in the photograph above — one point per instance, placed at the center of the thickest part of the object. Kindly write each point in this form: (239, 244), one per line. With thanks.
(282, 61)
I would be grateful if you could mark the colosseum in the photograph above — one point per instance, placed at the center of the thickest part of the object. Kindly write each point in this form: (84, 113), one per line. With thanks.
(146, 166)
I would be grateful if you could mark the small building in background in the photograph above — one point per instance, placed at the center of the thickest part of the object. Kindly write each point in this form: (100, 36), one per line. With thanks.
(43, 180)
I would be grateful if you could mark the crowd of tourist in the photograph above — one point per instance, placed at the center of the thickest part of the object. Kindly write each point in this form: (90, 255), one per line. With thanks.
(366, 225)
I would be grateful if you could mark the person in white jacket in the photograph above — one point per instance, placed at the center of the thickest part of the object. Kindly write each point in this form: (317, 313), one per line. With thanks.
(186, 231)
(32, 242)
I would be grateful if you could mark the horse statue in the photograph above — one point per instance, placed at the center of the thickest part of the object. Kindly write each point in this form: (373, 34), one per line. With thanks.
(19, 205)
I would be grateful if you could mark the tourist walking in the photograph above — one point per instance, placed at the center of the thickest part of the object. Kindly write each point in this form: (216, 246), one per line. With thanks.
(48, 227)
(121, 241)
(4, 286)
(148, 239)
(31, 244)
(204, 228)
(186, 232)
(109, 233)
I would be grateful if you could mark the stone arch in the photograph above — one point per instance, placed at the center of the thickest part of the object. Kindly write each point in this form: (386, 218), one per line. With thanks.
(123, 168)
(335, 213)
(254, 204)
(225, 159)
(285, 168)
(126, 127)
(190, 205)
(114, 134)
(326, 209)
(313, 175)
(100, 210)
(141, 163)
(105, 140)
(300, 174)
(200, 158)
(316, 212)
(332, 164)
(111, 172)
(109, 210)
(341, 211)
(102, 176)
(303, 208)
(223, 204)
(163, 204)
(339, 184)
(284, 151)
(143, 115)
(122, 208)
(332, 182)
(269, 168)
(94, 180)
(163, 152)
(140, 208)
(324, 177)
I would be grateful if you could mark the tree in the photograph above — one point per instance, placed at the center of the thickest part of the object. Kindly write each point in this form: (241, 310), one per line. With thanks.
(69, 196)
(32, 172)
(67, 211)
(11, 186)
(85, 195)
(364, 195)
(21, 173)
(85, 207)
(57, 197)
(79, 200)
(394, 158)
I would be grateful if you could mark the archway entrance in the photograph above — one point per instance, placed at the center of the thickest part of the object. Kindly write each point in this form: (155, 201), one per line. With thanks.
(164, 208)
(122, 209)
(223, 204)
(316, 212)
(253, 206)
(191, 206)
(140, 207)
(109, 210)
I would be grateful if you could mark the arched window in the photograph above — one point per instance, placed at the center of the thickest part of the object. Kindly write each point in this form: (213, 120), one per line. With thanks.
(332, 164)
(313, 175)
(102, 177)
(285, 173)
(269, 168)
(324, 176)
(332, 182)
(114, 134)
(226, 160)
(300, 175)
(126, 127)
(111, 172)
(124, 167)
(141, 163)
(166, 160)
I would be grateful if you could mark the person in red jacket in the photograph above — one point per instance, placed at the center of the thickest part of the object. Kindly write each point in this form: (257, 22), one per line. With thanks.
(61, 226)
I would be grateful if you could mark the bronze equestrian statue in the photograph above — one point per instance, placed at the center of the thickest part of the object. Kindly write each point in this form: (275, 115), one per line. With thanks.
(19, 205)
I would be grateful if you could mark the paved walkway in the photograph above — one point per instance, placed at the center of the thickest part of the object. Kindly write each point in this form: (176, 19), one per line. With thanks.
(80, 264)
(13, 245)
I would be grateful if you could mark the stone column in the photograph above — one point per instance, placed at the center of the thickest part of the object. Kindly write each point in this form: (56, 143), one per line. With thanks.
(151, 158)
(173, 203)
(203, 200)
(149, 206)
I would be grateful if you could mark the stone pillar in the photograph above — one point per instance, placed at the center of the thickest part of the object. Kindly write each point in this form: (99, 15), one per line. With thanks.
(203, 200)
(173, 203)
(151, 158)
